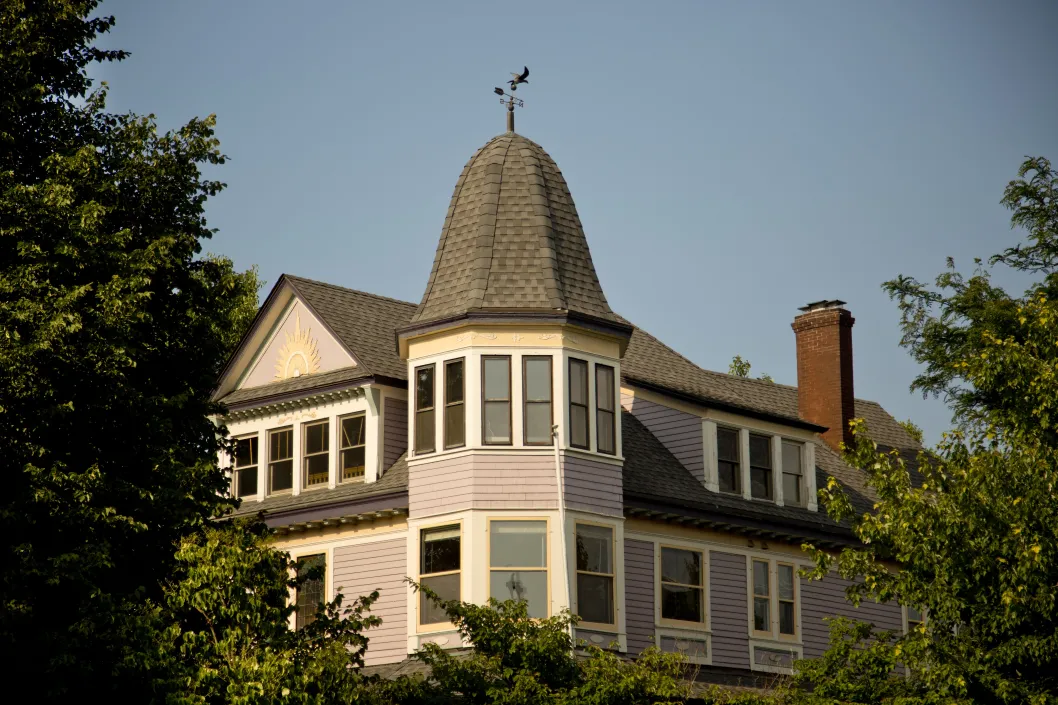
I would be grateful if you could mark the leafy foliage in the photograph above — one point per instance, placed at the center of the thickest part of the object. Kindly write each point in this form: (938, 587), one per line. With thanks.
(741, 368)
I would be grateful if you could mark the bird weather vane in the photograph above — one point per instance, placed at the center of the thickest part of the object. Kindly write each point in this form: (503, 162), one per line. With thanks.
(508, 99)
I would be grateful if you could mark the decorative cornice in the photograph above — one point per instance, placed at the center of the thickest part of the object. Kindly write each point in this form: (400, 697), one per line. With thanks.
(293, 405)
(344, 520)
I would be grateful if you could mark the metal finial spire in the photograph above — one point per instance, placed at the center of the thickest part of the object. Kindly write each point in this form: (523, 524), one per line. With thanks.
(509, 100)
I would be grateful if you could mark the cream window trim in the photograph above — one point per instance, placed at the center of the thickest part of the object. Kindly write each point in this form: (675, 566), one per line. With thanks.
(297, 554)
(489, 521)
(795, 650)
(772, 633)
(743, 463)
(292, 458)
(326, 425)
(776, 470)
(811, 501)
(687, 635)
(712, 460)
(340, 456)
(598, 626)
(701, 626)
(421, 628)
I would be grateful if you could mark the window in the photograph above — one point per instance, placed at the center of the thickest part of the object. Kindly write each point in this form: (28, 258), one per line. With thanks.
(280, 460)
(518, 563)
(536, 392)
(595, 574)
(792, 484)
(760, 466)
(728, 467)
(245, 470)
(496, 399)
(605, 429)
(439, 570)
(455, 409)
(682, 591)
(578, 403)
(774, 599)
(311, 574)
(317, 459)
(915, 618)
(424, 418)
(353, 451)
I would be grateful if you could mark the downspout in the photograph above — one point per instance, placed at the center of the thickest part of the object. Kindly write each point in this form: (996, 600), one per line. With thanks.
(562, 528)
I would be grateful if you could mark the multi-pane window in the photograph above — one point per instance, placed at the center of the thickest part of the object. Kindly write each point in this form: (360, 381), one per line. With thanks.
(727, 461)
(455, 408)
(774, 598)
(578, 403)
(536, 388)
(792, 474)
(496, 399)
(280, 460)
(595, 574)
(353, 451)
(245, 470)
(787, 599)
(518, 563)
(605, 419)
(682, 585)
(915, 618)
(316, 456)
(439, 570)
(311, 582)
(761, 597)
(760, 466)
(424, 409)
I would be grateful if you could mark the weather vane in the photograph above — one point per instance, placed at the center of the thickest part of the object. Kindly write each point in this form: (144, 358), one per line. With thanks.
(508, 99)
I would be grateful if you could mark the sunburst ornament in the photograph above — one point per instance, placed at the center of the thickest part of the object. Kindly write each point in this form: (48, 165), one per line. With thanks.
(299, 354)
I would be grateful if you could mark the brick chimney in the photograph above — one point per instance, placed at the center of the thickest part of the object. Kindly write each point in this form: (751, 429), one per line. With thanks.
(824, 368)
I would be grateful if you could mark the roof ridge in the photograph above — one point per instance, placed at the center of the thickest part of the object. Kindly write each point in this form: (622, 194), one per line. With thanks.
(346, 289)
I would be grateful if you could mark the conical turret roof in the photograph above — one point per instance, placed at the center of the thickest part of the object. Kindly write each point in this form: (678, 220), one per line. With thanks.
(512, 241)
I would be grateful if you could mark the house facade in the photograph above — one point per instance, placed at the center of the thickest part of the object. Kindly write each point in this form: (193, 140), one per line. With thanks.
(511, 436)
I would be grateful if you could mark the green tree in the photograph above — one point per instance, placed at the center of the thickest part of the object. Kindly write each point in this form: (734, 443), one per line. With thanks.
(741, 368)
(113, 329)
(975, 528)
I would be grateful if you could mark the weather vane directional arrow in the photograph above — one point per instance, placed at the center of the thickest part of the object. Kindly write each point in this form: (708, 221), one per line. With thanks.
(508, 99)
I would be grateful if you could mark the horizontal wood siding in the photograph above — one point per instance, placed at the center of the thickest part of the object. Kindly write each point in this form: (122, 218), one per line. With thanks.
(395, 433)
(381, 565)
(639, 594)
(592, 486)
(678, 431)
(730, 615)
(482, 482)
(826, 598)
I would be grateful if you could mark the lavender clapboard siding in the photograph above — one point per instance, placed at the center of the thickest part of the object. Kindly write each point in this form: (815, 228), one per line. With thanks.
(826, 598)
(639, 594)
(678, 431)
(395, 431)
(592, 486)
(728, 602)
(381, 565)
(482, 482)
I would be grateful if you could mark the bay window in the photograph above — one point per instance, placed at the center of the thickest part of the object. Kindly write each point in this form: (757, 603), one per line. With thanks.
(310, 592)
(605, 418)
(595, 574)
(455, 408)
(578, 403)
(496, 399)
(439, 570)
(424, 409)
(536, 405)
(518, 565)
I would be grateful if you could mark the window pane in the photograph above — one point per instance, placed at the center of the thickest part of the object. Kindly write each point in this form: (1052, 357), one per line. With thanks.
(538, 422)
(497, 378)
(679, 566)
(245, 452)
(528, 585)
(594, 548)
(786, 582)
(578, 382)
(246, 481)
(760, 578)
(447, 588)
(727, 445)
(310, 592)
(607, 443)
(424, 432)
(786, 618)
(316, 470)
(791, 457)
(316, 438)
(760, 451)
(454, 382)
(604, 394)
(497, 422)
(424, 387)
(440, 550)
(518, 543)
(353, 463)
(282, 475)
(281, 444)
(578, 426)
(683, 603)
(760, 483)
(595, 598)
(455, 429)
(353, 431)
(791, 490)
(761, 614)
(914, 615)
(538, 379)
(729, 477)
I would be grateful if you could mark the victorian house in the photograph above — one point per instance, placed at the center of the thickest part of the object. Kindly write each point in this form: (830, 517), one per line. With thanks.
(511, 436)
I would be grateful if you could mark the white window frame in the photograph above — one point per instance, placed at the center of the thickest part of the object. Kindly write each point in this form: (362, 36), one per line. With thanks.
(421, 628)
(339, 470)
(295, 475)
(305, 455)
(235, 467)
(597, 626)
(548, 560)
(773, 636)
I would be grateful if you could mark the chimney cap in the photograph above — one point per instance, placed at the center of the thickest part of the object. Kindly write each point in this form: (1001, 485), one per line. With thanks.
(821, 305)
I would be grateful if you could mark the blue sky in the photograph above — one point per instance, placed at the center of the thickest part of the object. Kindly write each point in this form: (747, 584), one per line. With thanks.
(730, 161)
